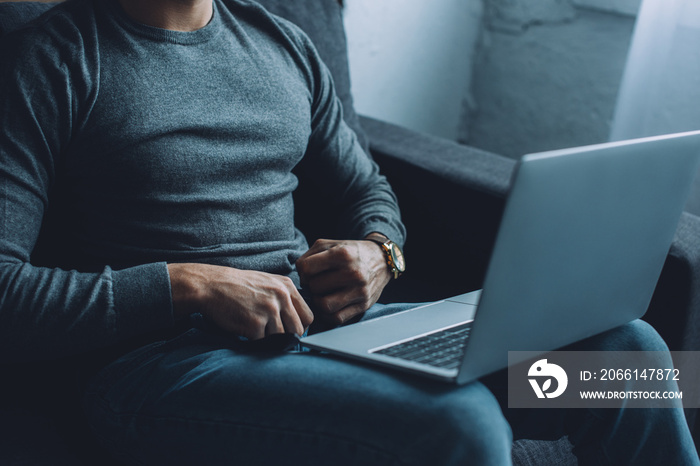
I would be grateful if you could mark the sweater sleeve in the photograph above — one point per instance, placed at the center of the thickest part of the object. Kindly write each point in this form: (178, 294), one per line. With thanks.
(336, 161)
(45, 312)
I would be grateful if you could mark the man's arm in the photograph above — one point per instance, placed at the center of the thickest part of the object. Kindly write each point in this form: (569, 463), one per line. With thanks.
(49, 312)
(345, 277)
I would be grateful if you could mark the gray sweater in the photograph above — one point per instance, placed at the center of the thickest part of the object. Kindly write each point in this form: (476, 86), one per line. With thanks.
(124, 147)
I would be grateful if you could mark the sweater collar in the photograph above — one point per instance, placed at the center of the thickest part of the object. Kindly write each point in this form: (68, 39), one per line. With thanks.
(165, 35)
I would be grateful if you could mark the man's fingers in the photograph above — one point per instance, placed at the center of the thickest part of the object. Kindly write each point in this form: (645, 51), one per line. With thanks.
(330, 282)
(319, 245)
(349, 312)
(290, 319)
(302, 310)
(333, 258)
(332, 303)
(345, 315)
(274, 325)
(314, 264)
(294, 312)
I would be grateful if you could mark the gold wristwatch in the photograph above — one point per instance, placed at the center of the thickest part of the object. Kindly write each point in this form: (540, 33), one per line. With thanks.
(394, 256)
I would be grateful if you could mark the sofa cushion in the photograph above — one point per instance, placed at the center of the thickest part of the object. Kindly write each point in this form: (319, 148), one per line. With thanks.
(321, 20)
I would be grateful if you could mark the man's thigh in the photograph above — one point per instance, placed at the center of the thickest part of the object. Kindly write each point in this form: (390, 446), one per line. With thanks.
(194, 398)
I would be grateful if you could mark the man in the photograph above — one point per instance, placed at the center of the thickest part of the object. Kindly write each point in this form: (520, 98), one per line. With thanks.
(147, 156)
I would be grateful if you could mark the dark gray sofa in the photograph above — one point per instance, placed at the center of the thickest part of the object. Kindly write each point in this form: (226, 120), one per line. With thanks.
(449, 194)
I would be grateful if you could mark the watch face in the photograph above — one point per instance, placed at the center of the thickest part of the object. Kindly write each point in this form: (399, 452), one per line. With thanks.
(397, 256)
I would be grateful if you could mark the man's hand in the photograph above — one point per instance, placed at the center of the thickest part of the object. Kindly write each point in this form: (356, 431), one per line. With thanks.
(345, 278)
(247, 303)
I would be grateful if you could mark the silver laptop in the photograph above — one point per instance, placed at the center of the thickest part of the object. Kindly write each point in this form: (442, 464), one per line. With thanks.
(581, 245)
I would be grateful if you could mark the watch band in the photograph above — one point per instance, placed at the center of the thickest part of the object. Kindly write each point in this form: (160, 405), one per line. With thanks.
(386, 244)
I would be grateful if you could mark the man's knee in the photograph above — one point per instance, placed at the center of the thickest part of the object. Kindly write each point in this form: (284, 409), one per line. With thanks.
(633, 336)
(469, 427)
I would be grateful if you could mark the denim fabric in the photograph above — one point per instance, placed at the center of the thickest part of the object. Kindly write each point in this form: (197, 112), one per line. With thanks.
(194, 400)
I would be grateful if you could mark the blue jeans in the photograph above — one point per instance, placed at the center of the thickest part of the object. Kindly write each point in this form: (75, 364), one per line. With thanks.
(194, 400)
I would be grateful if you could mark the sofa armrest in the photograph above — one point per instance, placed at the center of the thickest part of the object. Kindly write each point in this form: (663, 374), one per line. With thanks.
(675, 308)
(471, 168)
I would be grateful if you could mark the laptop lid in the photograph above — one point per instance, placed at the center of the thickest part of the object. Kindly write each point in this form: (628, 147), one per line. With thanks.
(581, 245)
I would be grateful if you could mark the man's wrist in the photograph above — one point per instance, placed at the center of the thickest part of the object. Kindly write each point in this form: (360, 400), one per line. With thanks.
(376, 236)
(185, 293)
(393, 256)
(378, 239)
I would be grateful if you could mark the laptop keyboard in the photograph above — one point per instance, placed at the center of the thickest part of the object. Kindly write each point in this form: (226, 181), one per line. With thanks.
(442, 349)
